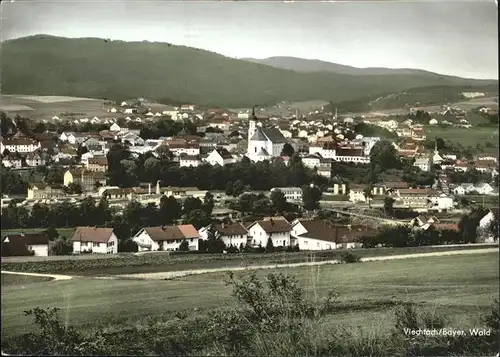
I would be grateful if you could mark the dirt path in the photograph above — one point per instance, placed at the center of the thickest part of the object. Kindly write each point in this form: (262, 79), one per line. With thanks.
(53, 276)
(177, 274)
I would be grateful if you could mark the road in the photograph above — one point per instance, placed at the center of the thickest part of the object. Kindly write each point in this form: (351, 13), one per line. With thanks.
(360, 215)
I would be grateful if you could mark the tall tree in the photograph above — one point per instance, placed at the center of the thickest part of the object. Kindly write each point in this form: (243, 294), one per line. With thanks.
(384, 155)
(311, 195)
(279, 201)
(287, 150)
(170, 210)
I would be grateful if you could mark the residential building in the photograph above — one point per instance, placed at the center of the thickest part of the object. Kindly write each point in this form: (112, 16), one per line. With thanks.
(44, 192)
(414, 197)
(168, 238)
(94, 240)
(351, 154)
(35, 158)
(97, 164)
(221, 157)
(484, 231)
(12, 160)
(317, 234)
(25, 244)
(290, 193)
(19, 144)
(423, 163)
(311, 161)
(189, 160)
(87, 179)
(232, 234)
(357, 193)
(276, 228)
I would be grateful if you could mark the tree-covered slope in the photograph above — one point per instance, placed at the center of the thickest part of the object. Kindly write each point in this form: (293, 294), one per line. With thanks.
(90, 67)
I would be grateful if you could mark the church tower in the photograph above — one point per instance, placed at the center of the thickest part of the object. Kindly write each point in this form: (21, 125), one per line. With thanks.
(252, 124)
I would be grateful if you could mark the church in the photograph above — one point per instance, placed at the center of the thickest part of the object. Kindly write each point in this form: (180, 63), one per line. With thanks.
(263, 143)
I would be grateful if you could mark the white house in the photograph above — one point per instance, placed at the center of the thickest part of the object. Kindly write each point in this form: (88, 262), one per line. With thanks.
(319, 234)
(36, 244)
(276, 228)
(233, 234)
(483, 229)
(290, 193)
(95, 240)
(35, 158)
(115, 127)
(189, 161)
(23, 145)
(221, 157)
(311, 161)
(433, 122)
(168, 238)
(12, 160)
(423, 163)
(484, 188)
(464, 189)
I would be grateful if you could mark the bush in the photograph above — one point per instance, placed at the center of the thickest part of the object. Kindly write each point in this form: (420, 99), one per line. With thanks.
(348, 257)
(184, 246)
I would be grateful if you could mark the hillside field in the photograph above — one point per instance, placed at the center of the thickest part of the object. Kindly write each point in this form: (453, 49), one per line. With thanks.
(466, 137)
(462, 287)
(46, 107)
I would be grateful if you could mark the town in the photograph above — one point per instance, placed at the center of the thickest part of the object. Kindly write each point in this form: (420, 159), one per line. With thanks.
(247, 178)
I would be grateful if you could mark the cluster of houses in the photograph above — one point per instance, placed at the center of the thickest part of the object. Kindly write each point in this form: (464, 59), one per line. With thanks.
(308, 234)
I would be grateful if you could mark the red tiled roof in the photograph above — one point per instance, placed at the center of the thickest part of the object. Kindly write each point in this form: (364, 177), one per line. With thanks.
(230, 229)
(92, 234)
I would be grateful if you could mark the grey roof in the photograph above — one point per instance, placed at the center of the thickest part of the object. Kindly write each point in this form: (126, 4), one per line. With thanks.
(274, 135)
(263, 152)
(258, 135)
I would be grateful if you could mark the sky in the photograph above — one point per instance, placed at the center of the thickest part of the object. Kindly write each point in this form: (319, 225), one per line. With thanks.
(456, 38)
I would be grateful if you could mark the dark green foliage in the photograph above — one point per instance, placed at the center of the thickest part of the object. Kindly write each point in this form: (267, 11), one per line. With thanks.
(96, 68)
(184, 246)
(348, 257)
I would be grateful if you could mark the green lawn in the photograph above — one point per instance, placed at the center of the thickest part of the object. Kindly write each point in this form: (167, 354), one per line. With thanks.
(463, 287)
(466, 137)
(23, 280)
(67, 232)
(95, 265)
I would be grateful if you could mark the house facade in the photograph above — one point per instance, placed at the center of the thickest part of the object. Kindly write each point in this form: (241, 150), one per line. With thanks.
(167, 238)
(94, 240)
(276, 228)
(25, 244)
(232, 234)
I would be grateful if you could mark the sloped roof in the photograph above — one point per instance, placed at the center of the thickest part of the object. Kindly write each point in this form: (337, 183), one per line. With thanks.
(230, 229)
(29, 238)
(259, 135)
(92, 234)
(263, 152)
(224, 153)
(163, 233)
(275, 225)
(274, 135)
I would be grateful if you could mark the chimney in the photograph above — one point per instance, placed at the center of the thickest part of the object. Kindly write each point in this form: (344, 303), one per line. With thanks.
(149, 188)
(223, 225)
(158, 187)
(162, 227)
(343, 189)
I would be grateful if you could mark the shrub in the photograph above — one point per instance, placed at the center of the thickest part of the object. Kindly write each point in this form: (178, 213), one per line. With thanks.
(348, 257)
(184, 246)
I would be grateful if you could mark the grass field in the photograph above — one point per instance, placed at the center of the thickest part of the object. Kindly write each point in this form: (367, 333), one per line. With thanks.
(11, 279)
(45, 107)
(67, 232)
(95, 265)
(463, 287)
(466, 137)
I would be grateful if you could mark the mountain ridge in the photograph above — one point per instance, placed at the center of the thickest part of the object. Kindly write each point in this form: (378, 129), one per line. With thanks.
(315, 65)
(114, 69)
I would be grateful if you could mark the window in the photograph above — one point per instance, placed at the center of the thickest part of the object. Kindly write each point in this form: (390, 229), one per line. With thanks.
(95, 244)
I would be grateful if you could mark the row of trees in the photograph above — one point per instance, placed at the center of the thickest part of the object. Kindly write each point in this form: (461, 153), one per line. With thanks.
(91, 213)
(403, 236)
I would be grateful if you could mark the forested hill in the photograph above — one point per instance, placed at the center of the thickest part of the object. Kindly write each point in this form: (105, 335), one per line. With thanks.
(98, 68)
